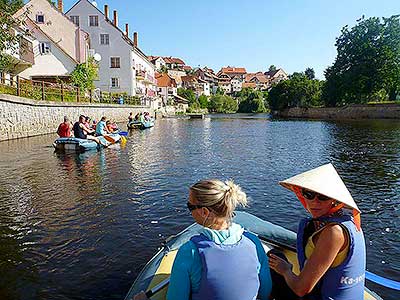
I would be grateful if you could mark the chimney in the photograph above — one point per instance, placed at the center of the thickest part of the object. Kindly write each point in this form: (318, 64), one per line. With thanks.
(106, 11)
(115, 20)
(60, 5)
(127, 30)
(135, 39)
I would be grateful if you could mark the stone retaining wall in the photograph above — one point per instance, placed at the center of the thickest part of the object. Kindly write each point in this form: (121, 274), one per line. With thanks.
(353, 111)
(22, 117)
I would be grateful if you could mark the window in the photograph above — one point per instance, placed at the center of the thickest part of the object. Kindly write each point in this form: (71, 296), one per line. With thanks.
(44, 48)
(94, 21)
(115, 62)
(104, 39)
(75, 20)
(115, 82)
(40, 18)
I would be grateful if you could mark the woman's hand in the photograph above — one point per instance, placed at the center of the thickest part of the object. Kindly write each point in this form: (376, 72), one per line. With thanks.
(279, 265)
(140, 296)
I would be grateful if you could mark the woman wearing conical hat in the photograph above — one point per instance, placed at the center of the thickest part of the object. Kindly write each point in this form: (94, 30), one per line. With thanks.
(330, 244)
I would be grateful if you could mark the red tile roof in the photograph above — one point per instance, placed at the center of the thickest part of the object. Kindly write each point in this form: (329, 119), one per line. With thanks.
(163, 80)
(233, 70)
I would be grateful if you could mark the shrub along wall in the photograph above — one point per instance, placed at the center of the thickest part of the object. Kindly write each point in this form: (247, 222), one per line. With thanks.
(22, 117)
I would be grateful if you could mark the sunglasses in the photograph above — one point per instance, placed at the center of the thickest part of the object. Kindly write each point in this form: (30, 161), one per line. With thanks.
(310, 195)
(191, 207)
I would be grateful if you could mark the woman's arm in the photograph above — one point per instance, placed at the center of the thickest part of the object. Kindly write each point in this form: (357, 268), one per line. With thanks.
(329, 243)
(185, 270)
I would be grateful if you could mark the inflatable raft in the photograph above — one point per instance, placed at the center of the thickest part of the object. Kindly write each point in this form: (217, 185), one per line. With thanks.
(140, 125)
(75, 144)
(154, 277)
(134, 125)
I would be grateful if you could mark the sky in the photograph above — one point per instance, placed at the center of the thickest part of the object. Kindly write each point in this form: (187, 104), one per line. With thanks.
(290, 34)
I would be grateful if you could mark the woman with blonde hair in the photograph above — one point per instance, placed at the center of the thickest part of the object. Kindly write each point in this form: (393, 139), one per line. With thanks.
(224, 261)
(330, 244)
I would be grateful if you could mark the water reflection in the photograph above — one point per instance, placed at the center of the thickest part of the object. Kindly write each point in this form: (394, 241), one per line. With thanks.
(81, 226)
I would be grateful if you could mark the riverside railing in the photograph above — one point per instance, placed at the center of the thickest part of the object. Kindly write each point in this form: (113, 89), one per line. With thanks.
(62, 92)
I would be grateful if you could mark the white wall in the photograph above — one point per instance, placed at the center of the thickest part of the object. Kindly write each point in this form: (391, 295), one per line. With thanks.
(54, 63)
(58, 27)
(141, 63)
(117, 47)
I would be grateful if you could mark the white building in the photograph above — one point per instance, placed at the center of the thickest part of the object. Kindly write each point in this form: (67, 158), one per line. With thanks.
(123, 66)
(158, 61)
(236, 84)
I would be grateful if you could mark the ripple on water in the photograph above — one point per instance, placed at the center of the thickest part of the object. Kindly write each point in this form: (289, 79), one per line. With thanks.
(81, 226)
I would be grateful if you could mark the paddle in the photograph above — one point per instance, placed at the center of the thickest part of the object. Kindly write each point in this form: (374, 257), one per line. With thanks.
(157, 288)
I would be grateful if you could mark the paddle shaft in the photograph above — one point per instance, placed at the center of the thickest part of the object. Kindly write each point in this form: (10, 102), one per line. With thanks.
(157, 288)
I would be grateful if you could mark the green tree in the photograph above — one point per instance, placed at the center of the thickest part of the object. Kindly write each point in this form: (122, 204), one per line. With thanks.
(84, 75)
(297, 91)
(187, 94)
(203, 101)
(8, 40)
(310, 73)
(251, 101)
(222, 104)
(271, 68)
(367, 62)
(164, 69)
(220, 91)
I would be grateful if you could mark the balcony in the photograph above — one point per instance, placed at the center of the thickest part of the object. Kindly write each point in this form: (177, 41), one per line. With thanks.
(140, 75)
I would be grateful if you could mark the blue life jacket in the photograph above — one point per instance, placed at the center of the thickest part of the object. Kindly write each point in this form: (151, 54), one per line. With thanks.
(346, 281)
(229, 272)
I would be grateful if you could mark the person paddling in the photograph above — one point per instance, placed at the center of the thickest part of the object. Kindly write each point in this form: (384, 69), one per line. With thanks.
(330, 244)
(82, 132)
(224, 261)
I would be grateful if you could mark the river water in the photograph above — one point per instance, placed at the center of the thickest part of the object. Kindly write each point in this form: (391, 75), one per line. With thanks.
(81, 226)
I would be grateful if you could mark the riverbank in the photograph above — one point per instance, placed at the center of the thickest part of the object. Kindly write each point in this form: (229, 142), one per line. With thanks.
(21, 117)
(352, 111)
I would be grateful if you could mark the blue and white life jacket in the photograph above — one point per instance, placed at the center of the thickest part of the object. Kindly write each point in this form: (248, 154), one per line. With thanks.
(346, 281)
(229, 272)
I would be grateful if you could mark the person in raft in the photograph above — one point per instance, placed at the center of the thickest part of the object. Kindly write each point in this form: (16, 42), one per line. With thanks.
(130, 118)
(101, 127)
(64, 129)
(82, 132)
(224, 261)
(330, 244)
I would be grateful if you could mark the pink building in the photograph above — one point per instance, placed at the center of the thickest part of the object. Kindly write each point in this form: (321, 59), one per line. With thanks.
(59, 45)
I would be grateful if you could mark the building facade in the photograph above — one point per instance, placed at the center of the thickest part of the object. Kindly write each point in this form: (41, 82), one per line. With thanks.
(123, 67)
(57, 44)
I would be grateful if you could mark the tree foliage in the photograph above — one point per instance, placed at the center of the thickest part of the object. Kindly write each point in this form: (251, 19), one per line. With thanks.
(194, 104)
(271, 68)
(8, 40)
(84, 75)
(187, 94)
(251, 101)
(222, 104)
(297, 91)
(310, 73)
(203, 101)
(367, 62)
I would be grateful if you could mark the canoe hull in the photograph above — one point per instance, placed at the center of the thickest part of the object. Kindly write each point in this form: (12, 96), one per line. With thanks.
(271, 235)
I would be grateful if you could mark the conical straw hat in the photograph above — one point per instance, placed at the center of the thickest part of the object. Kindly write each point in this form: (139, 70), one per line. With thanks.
(324, 180)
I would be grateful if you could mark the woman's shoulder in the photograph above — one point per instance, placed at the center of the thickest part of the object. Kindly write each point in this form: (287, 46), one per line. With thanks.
(332, 233)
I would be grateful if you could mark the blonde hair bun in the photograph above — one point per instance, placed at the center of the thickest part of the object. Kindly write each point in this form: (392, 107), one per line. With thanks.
(221, 197)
